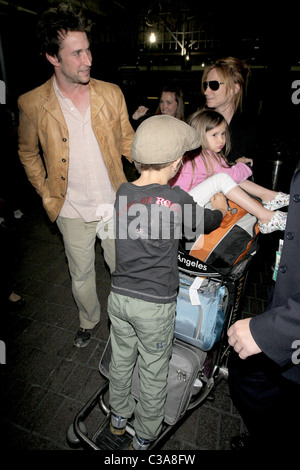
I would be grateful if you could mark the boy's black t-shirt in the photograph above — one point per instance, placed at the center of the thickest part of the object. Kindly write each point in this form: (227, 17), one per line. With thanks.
(149, 222)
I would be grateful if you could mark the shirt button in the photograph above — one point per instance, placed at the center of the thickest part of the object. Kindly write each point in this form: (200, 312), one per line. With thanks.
(62, 195)
(63, 160)
(296, 197)
(283, 269)
(63, 178)
(64, 139)
(290, 235)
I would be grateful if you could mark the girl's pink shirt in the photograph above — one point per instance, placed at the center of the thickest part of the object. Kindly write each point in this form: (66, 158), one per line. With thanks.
(238, 172)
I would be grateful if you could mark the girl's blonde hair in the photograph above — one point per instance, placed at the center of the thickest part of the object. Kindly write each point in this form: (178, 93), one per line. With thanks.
(205, 120)
(232, 71)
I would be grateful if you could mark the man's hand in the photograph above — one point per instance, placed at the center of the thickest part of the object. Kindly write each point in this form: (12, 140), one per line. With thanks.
(240, 337)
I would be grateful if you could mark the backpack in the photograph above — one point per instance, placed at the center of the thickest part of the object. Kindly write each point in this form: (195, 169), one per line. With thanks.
(230, 243)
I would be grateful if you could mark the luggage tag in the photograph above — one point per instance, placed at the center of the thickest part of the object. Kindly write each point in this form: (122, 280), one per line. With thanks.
(193, 290)
(277, 259)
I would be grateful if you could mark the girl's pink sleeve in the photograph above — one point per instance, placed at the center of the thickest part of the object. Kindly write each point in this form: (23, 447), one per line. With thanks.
(184, 177)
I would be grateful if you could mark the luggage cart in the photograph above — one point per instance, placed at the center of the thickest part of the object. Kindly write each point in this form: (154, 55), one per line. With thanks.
(213, 367)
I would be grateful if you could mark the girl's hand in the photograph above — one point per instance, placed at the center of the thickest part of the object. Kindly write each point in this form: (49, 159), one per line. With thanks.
(248, 161)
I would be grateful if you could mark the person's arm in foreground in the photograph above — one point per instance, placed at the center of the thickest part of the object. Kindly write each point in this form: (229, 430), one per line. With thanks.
(241, 339)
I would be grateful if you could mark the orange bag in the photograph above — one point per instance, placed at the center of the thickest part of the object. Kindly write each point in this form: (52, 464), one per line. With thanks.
(231, 242)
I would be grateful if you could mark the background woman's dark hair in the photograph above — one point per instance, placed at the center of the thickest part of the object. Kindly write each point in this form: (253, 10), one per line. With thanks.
(55, 23)
(178, 97)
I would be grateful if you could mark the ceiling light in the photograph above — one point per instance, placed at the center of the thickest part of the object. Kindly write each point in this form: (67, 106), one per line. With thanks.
(152, 37)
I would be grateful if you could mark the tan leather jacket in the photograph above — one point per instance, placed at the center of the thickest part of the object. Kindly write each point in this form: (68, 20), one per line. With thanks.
(44, 139)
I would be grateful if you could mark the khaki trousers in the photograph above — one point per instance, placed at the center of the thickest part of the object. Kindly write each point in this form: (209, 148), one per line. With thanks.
(79, 240)
(140, 331)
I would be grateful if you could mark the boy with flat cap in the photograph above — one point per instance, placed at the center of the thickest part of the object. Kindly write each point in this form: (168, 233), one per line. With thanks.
(150, 219)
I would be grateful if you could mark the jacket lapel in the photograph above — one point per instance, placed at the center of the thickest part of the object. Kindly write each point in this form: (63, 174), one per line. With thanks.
(51, 104)
(96, 100)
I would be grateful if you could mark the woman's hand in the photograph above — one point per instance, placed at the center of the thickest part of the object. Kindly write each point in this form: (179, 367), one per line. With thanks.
(140, 112)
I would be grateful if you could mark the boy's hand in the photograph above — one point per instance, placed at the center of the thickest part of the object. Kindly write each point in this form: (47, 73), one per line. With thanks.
(219, 202)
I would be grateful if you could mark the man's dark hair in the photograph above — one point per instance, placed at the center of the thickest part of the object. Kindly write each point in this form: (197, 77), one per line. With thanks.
(55, 23)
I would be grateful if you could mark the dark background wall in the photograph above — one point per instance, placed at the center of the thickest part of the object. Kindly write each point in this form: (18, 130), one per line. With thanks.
(267, 38)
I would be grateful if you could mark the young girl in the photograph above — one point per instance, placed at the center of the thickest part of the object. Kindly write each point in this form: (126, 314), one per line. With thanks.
(231, 179)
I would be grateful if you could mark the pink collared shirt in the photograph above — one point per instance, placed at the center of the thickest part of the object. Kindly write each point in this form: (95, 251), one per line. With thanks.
(89, 192)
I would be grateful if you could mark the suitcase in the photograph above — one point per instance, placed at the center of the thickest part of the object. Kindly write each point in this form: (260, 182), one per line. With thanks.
(185, 364)
(201, 311)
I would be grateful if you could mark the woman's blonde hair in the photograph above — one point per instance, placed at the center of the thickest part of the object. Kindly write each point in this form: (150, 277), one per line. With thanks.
(232, 71)
(205, 120)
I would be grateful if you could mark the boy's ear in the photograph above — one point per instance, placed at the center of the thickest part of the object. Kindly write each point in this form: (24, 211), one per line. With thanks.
(176, 165)
(176, 162)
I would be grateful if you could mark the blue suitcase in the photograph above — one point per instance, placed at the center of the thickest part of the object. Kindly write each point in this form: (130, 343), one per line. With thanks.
(201, 311)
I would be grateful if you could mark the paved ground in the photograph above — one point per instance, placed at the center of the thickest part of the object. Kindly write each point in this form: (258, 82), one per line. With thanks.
(46, 380)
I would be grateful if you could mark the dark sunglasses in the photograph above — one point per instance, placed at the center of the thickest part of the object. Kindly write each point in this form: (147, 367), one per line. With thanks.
(214, 85)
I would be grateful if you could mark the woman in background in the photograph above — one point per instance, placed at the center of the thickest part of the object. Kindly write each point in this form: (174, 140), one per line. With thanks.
(171, 102)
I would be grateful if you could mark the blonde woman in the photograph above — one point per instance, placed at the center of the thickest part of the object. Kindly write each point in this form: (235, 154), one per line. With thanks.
(224, 85)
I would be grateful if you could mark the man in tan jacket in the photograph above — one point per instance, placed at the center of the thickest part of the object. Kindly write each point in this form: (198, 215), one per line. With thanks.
(81, 126)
